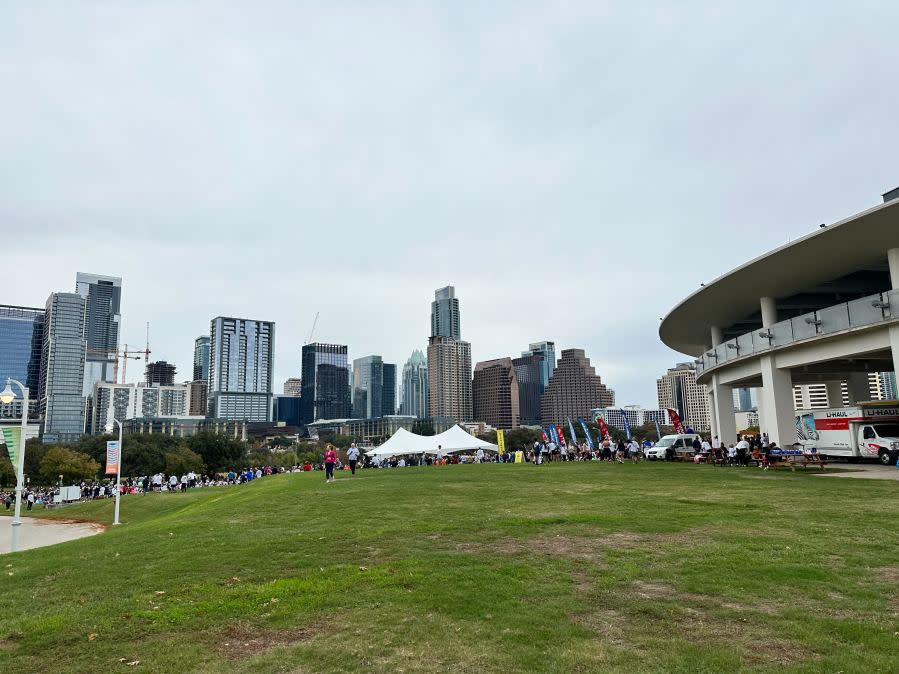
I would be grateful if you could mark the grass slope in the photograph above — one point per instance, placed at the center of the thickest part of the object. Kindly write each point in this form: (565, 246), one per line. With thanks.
(565, 568)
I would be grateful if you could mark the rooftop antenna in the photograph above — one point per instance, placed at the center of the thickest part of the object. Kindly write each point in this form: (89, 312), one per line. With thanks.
(312, 331)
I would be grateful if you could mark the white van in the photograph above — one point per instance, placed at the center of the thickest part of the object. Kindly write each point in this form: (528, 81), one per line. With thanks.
(681, 443)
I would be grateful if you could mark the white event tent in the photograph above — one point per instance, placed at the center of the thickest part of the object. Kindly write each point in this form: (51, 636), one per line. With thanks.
(455, 439)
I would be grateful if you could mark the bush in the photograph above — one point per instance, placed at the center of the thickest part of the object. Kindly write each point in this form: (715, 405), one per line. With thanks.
(181, 461)
(220, 453)
(73, 466)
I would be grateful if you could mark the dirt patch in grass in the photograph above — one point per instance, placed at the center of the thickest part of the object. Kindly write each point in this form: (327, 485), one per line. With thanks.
(242, 641)
(888, 574)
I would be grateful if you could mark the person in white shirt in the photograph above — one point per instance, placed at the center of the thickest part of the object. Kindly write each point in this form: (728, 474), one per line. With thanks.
(716, 443)
(352, 455)
(479, 455)
(633, 450)
(439, 455)
(705, 447)
(173, 483)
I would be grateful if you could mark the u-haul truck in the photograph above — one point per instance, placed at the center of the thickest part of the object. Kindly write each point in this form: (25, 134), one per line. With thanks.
(862, 431)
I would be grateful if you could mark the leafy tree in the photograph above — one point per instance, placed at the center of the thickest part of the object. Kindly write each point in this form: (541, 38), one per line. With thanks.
(35, 451)
(281, 441)
(73, 466)
(7, 473)
(219, 452)
(423, 427)
(521, 438)
(489, 436)
(286, 459)
(182, 460)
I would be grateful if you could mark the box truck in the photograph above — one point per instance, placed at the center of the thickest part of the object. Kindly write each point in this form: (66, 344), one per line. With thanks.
(862, 431)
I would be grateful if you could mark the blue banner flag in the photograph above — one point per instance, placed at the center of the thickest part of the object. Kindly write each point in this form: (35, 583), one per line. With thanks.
(627, 426)
(553, 435)
(573, 437)
(658, 430)
(587, 433)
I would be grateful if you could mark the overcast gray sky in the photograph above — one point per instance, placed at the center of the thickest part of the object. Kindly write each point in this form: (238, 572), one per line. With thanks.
(574, 169)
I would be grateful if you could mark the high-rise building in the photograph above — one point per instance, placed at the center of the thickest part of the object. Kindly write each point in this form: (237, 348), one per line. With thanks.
(326, 382)
(415, 386)
(547, 350)
(21, 339)
(529, 371)
(388, 394)
(101, 328)
(287, 409)
(449, 379)
(293, 387)
(240, 369)
(445, 320)
(888, 390)
(201, 358)
(62, 367)
(139, 401)
(368, 387)
(198, 399)
(161, 373)
(449, 360)
(494, 394)
(745, 399)
(574, 389)
(678, 390)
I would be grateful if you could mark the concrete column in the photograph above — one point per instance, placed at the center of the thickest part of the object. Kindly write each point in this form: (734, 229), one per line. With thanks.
(723, 412)
(834, 393)
(893, 259)
(858, 387)
(713, 418)
(717, 337)
(769, 311)
(776, 400)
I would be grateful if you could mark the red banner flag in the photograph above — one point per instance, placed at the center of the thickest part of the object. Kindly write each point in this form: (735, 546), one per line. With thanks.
(675, 421)
(603, 428)
(545, 439)
(561, 434)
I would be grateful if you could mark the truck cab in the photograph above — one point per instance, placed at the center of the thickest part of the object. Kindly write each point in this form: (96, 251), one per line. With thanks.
(880, 441)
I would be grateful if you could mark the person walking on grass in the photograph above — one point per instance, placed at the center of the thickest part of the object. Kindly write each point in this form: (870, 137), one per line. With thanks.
(352, 455)
(330, 460)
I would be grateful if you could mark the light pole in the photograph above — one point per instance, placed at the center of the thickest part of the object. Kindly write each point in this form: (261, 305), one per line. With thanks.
(118, 464)
(7, 396)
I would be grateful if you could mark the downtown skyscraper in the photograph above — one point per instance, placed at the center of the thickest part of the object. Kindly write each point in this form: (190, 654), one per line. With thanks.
(415, 386)
(326, 382)
(21, 339)
(449, 360)
(62, 367)
(240, 369)
(103, 295)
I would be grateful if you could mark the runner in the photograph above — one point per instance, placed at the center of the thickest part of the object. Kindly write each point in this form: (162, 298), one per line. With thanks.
(330, 460)
(352, 455)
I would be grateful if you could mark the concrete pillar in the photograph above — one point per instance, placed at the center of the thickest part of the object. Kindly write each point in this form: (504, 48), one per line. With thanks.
(776, 400)
(859, 388)
(717, 336)
(834, 393)
(723, 412)
(713, 418)
(893, 259)
(769, 311)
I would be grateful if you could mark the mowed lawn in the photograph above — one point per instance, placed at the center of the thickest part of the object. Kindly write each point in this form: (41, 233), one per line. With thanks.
(506, 568)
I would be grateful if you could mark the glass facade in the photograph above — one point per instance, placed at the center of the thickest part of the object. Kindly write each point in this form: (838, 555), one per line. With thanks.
(201, 358)
(101, 329)
(326, 382)
(415, 385)
(21, 338)
(62, 361)
(388, 394)
(529, 372)
(445, 318)
(548, 351)
(240, 369)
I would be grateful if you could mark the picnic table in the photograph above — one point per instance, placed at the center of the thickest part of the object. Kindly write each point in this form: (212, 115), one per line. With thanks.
(795, 458)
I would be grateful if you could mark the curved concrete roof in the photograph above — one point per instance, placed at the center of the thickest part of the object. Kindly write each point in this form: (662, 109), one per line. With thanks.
(858, 242)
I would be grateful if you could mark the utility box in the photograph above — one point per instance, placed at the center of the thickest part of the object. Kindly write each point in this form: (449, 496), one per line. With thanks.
(67, 495)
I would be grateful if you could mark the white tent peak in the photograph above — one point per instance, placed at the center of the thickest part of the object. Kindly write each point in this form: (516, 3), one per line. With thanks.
(455, 439)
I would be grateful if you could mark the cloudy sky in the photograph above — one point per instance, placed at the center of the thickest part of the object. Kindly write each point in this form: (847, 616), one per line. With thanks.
(574, 169)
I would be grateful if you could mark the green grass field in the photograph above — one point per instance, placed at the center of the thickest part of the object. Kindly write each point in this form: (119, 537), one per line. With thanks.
(508, 568)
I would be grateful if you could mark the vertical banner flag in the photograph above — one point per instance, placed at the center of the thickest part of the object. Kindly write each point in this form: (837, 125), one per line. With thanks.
(603, 428)
(552, 434)
(560, 434)
(545, 439)
(112, 457)
(11, 436)
(501, 442)
(587, 433)
(658, 430)
(675, 421)
(627, 426)
(571, 428)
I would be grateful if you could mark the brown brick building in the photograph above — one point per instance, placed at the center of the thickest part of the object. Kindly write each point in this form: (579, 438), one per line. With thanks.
(574, 389)
(494, 393)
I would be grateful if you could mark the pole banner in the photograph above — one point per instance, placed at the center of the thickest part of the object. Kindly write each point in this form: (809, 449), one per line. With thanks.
(501, 441)
(603, 428)
(11, 436)
(571, 428)
(112, 457)
(553, 436)
(658, 430)
(545, 439)
(675, 421)
(560, 434)
(587, 433)
(627, 426)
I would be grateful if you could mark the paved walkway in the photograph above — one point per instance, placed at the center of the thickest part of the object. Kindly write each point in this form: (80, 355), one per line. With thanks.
(864, 471)
(36, 533)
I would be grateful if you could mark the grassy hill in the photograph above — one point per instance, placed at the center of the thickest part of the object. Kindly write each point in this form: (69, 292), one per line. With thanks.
(564, 568)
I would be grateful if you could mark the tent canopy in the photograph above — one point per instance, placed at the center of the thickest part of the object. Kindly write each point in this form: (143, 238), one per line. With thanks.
(455, 439)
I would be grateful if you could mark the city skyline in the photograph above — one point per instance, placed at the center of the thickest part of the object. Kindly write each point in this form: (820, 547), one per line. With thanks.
(521, 158)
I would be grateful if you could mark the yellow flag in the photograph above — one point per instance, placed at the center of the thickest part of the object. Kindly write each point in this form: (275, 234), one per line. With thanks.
(501, 441)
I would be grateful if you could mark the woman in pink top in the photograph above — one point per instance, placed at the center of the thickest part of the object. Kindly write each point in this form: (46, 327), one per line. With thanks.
(330, 460)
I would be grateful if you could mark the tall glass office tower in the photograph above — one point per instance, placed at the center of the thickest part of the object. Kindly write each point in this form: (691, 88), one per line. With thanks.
(63, 354)
(548, 351)
(326, 382)
(201, 358)
(240, 369)
(415, 386)
(104, 299)
(445, 321)
(21, 338)
(368, 387)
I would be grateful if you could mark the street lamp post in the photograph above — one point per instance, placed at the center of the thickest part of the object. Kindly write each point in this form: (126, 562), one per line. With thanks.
(118, 465)
(7, 396)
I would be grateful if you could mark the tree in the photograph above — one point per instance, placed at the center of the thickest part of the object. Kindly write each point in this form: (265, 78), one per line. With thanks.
(423, 427)
(281, 441)
(219, 452)
(181, 461)
(286, 459)
(73, 466)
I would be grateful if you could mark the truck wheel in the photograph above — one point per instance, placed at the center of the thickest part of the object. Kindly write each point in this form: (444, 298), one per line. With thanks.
(885, 458)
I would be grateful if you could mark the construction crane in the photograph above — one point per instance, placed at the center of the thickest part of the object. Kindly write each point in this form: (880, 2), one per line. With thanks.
(123, 356)
(312, 331)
